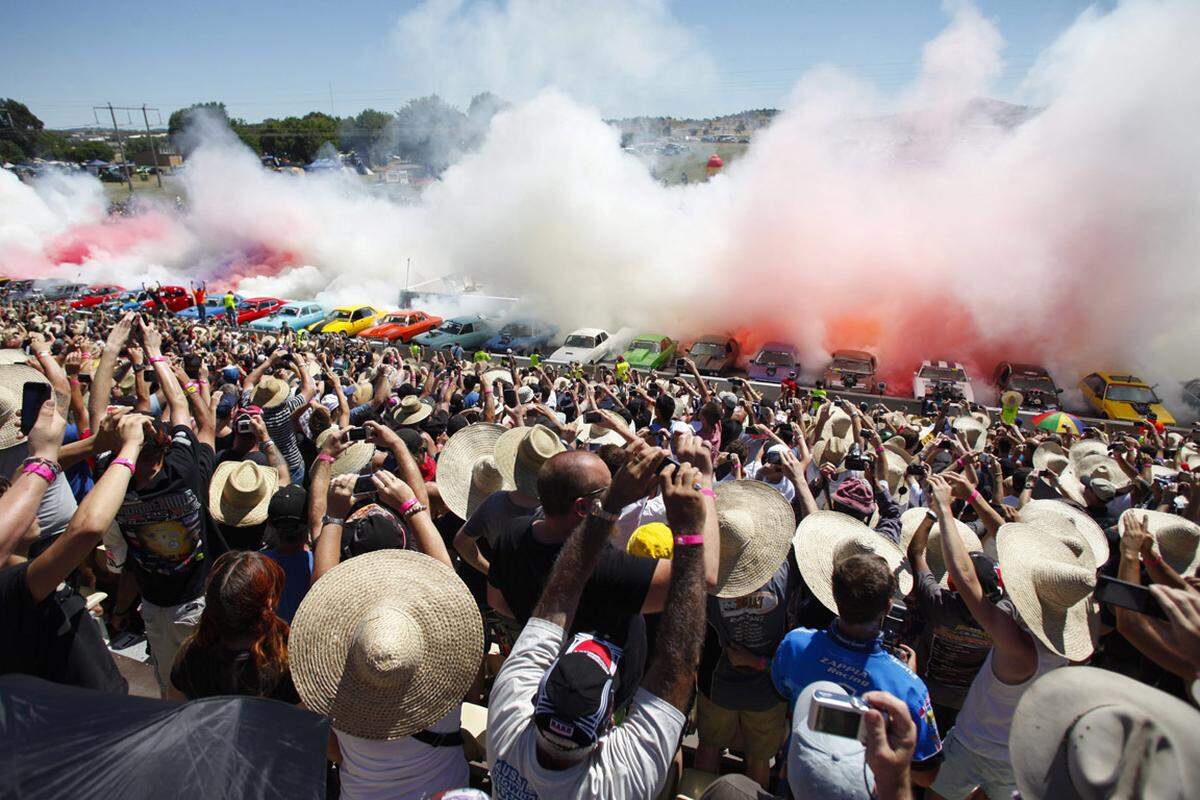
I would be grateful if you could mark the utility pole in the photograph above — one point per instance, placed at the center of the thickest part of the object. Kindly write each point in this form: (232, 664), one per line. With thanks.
(121, 144)
(332, 113)
(153, 146)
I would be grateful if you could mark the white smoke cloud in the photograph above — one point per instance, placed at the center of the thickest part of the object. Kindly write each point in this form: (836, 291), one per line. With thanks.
(625, 56)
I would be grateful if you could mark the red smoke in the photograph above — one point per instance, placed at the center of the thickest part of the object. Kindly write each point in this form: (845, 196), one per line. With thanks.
(114, 236)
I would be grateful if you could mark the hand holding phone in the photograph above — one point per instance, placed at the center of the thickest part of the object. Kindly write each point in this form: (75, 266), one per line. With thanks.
(1131, 596)
(356, 434)
(34, 394)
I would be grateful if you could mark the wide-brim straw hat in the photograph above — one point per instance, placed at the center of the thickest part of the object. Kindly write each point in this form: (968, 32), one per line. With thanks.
(240, 491)
(351, 460)
(1050, 581)
(1087, 447)
(13, 356)
(895, 466)
(895, 444)
(826, 537)
(975, 432)
(1178, 539)
(492, 375)
(1101, 466)
(830, 451)
(520, 453)
(467, 473)
(1087, 732)
(1065, 520)
(13, 378)
(838, 425)
(757, 525)
(385, 644)
(363, 391)
(596, 435)
(1050, 455)
(269, 392)
(911, 519)
(411, 411)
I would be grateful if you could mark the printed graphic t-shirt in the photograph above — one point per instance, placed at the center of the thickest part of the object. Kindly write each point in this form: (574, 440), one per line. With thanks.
(172, 539)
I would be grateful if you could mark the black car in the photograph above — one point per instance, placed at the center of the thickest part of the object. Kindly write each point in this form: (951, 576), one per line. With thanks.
(1037, 388)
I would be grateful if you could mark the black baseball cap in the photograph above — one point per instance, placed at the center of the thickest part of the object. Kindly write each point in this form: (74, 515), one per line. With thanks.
(575, 699)
(371, 528)
(412, 440)
(287, 506)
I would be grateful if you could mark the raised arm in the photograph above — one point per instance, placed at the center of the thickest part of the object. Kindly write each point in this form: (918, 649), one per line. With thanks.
(671, 672)
(102, 381)
(19, 505)
(401, 497)
(328, 551)
(176, 400)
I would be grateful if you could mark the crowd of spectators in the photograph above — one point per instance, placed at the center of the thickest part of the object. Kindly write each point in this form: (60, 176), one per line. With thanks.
(540, 582)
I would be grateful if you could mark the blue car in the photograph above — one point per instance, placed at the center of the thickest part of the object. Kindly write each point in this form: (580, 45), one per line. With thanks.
(133, 300)
(774, 362)
(522, 337)
(297, 315)
(470, 332)
(214, 307)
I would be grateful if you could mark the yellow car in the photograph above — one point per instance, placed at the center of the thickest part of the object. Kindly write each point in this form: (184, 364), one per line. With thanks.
(348, 320)
(1123, 397)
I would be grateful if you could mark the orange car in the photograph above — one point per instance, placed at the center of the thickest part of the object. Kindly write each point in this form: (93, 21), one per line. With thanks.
(401, 326)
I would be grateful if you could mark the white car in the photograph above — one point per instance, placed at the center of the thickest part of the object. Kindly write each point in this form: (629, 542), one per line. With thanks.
(586, 346)
(948, 377)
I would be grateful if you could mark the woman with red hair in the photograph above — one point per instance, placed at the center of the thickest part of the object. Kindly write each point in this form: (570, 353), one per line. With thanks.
(240, 645)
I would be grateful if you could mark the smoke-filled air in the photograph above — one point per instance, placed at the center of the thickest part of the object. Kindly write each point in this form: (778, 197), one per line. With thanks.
(923, 225)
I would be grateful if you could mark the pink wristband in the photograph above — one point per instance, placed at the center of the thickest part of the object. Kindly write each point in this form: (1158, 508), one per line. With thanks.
(124, 462)
(41, 470)
(326, 457)
(709, 492)
(411, 502)
(974, 496)
(689, 539)
(156, 359)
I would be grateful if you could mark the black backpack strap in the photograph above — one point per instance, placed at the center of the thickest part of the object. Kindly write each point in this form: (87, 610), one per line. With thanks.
(439, 739)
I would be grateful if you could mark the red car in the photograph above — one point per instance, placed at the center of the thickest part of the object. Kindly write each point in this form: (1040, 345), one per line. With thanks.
(96, 295)
(401, 326)
(175, 298)
(253, 308)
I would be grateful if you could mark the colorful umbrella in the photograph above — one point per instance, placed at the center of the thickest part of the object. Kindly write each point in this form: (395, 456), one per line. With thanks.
(1058, 422)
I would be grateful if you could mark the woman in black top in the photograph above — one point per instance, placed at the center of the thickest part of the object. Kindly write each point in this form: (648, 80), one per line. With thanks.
(240, 645)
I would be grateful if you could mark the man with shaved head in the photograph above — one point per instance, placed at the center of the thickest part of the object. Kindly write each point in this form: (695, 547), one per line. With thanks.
(621, 588)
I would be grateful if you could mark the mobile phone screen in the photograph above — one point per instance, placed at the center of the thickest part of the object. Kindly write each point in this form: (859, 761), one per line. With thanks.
(1128, 595)
(33, 395)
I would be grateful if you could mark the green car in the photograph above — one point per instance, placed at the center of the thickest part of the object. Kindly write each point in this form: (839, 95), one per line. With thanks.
(650, 351)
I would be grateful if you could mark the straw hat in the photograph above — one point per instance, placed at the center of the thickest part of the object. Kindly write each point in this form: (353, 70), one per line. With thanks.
(1087, 447)
(597, 435)
(838, 425)
(467, 473)
(911, 519)
(13, 356)
(757, 525)
(1066, 521)
(896, 445)
(385, 644)
(411, 411)
(363, 391)
(1050, 455)
(1050, 581)
(269, 392)
(1178, 539)
(491, 376)
(826, 537)
(895, 467)
(240, 492)
(520, 453)
(976, 432)
(1101, 466)
(352, 459)
(1086, 732)
(13, 378)
(830, 451)
(1011, 399)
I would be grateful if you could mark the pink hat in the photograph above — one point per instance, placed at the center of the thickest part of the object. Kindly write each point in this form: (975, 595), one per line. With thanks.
(856, 495)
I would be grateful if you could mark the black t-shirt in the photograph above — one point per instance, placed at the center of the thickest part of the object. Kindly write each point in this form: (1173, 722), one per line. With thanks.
(200, 673)
(610, 605)
(55, 639)
(172, 539)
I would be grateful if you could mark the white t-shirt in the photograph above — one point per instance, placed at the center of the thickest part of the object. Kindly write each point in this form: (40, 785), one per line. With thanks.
(58, 504)
(630, 762)
(402, 769)
(635, 515)
(783, 485)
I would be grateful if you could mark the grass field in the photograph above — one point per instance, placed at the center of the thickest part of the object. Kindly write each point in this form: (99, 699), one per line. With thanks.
(694, 163)
(119, 192)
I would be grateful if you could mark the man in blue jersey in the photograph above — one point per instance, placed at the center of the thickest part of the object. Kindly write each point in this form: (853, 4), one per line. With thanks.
(850, 653)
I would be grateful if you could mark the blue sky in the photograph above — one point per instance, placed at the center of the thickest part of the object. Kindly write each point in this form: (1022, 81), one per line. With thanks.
(62, 57)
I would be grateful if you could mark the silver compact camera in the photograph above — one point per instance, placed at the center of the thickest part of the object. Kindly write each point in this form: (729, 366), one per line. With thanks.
(838, 715)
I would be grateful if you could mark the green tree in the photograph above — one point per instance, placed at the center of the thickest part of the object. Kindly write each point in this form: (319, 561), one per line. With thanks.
(20, 126)
(368, 134)
(429, 131)
(90, 151)
(179, 119)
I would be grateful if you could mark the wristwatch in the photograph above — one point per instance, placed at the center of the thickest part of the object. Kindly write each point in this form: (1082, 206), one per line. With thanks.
(328, 520)
(597, 510)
